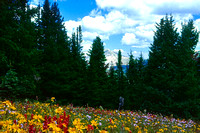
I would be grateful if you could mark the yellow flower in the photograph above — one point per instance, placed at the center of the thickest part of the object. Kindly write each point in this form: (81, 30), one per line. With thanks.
(2, 112)
(31, 122)
(80, 127)
(20, 116)
(12, 107)
(103, 131)
(127, 129)
(59, 110)
(52, 99)
(7, 123)
(77, 121)
(7, 102)
(161, 130)
(94, 123)
(21, 121)
(15, 127)
(72, 130)
(38, 117)
(54, 127)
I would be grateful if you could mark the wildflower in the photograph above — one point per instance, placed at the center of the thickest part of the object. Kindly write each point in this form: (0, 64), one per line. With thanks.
(127, 129)
(80, 127)
(103, 131)
(72, 130)
(7, 102)
(52, 99)
(76, 121)
(59, 110)
(2, 112)
(161, 130)
(89, 117)
(38, 117)
(90, 128)
(94, 123)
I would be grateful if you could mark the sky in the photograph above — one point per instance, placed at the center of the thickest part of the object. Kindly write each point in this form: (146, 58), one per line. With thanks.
(127, 25)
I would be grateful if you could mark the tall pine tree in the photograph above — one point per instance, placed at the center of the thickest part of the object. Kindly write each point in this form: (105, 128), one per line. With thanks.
(97, 76)
(161, 68)
(78, 69)
(55, 61)
(18, 47)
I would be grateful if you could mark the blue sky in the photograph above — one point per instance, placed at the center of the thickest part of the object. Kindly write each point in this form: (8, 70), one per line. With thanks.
(124, 24)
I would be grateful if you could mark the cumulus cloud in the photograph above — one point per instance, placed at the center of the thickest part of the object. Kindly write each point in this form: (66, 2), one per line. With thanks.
(95, 12)
(160, 7)
(134, 20)
(97, 23)
(129, 38)
(71, 25)
(86, 45)
(92, 35)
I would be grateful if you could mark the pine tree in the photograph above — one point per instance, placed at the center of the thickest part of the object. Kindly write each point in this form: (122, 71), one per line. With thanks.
(78, 69)
(132, 73)
(111, 93)
(97, 76)
(161, 56)
(186, 66)
(18, 46)
(161, 68)
(121, 80)
(55, 69)
(186, 91)
(140, 65)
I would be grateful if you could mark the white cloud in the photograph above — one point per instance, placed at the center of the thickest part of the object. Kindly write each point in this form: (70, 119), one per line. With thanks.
(86, 45)
(71, 26)
(135, 52)
(142, 7)
(92, 35)
(129, 39)
(133, 19)
(141, 46)
(95, 12)
(97, 23)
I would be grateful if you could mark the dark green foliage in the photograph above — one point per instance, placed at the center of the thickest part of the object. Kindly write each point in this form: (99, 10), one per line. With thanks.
(78, 70)
(18, 46)
(111, 97)
(55, 53)
(132, 72)
(171, 70)
(122, 89)
(97, 77)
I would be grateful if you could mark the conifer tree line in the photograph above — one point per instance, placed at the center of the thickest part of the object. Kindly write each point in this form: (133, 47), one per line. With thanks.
(39, 58)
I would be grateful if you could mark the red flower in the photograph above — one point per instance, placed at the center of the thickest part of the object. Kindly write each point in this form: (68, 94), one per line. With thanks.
(25, 115)
(49, 119)
(54, 118)
(90, 128)
(32, 116)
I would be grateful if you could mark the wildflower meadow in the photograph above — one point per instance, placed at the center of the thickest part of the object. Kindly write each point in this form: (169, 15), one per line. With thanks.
(37, 117)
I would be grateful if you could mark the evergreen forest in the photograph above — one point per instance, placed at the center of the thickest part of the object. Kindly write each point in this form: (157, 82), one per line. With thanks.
(38, 58)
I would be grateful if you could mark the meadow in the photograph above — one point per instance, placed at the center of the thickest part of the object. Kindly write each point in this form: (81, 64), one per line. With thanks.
(37, 117)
